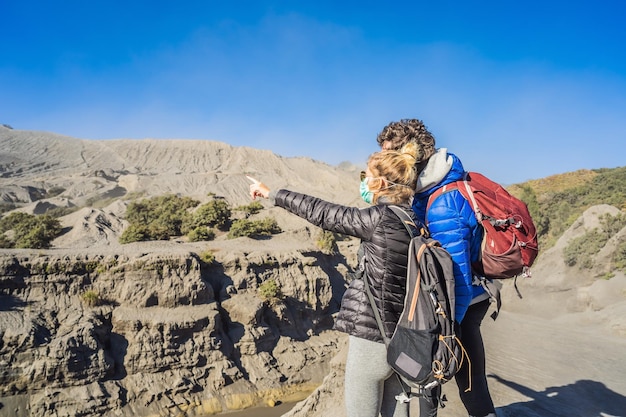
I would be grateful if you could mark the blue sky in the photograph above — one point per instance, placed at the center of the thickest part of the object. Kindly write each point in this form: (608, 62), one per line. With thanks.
(518, 90)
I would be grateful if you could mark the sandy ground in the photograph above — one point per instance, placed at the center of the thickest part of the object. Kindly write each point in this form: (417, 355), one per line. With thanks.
(539, 368)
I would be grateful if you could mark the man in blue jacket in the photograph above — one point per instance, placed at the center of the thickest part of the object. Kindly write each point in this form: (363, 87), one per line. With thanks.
(451, 220)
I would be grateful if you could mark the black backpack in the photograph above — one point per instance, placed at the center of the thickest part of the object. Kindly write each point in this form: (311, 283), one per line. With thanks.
(424, 349)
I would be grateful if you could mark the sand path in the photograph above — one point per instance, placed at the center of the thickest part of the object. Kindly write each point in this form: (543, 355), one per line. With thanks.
(541, 368)
(538, 368)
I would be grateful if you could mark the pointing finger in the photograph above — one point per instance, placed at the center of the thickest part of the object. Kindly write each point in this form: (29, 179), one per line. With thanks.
(254, 181)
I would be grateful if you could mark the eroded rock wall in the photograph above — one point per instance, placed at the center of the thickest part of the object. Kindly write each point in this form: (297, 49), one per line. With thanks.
(162, 334)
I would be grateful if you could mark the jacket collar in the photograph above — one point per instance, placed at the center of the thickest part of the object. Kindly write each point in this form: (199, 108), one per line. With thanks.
(442, 168)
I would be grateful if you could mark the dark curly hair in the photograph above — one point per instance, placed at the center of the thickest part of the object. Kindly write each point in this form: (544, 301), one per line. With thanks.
(400, 133)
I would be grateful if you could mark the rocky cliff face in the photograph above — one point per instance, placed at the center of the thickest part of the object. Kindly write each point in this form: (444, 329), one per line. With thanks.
(163, 332)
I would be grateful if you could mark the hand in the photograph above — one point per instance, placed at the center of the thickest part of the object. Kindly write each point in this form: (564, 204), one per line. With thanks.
(258, 189)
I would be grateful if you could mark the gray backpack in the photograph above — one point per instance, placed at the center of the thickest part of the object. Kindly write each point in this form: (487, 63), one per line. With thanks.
(424, 349)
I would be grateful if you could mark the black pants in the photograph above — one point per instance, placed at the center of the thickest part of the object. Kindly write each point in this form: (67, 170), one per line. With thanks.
(477, 401)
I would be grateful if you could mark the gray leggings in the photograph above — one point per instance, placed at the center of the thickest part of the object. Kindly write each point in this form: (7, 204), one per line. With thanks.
(370, 384)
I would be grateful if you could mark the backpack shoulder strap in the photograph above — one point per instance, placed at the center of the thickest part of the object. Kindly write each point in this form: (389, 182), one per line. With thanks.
(438, 192)
(379, 320)
(464, 188)
(408, 222)
(469, 195)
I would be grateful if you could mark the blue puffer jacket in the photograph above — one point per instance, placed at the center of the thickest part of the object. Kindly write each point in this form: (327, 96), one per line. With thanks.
(452, 222)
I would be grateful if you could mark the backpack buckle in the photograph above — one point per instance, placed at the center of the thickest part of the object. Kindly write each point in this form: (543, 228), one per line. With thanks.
(403, 398)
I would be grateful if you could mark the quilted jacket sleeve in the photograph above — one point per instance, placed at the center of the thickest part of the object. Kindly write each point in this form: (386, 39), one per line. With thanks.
(329, 216)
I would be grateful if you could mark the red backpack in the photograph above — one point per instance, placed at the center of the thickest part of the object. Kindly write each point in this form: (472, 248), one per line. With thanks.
(510, 239)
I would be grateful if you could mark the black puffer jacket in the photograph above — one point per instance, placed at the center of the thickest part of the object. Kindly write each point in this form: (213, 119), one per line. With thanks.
(385, 242)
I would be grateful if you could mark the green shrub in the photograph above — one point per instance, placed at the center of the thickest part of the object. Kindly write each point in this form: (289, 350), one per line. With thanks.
(619, 256)
(15, 221)
(215, 213)
(561, 205)
(208, 257)
(135, 233)
(201, 233)
(250, 209)
(253, 228)
(91, 298)
(542, 222)
(327, 242)
(581, 250)
(270, 290)
(611, 225)
(157, 218)
(5, 242)
(29, 231)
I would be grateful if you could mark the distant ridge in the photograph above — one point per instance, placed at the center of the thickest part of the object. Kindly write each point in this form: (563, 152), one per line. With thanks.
(159, 166)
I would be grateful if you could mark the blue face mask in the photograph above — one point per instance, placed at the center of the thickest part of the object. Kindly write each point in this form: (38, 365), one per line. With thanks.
(366, 194)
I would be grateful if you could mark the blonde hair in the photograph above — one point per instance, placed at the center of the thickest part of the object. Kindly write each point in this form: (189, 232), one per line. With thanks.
(398, 168)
